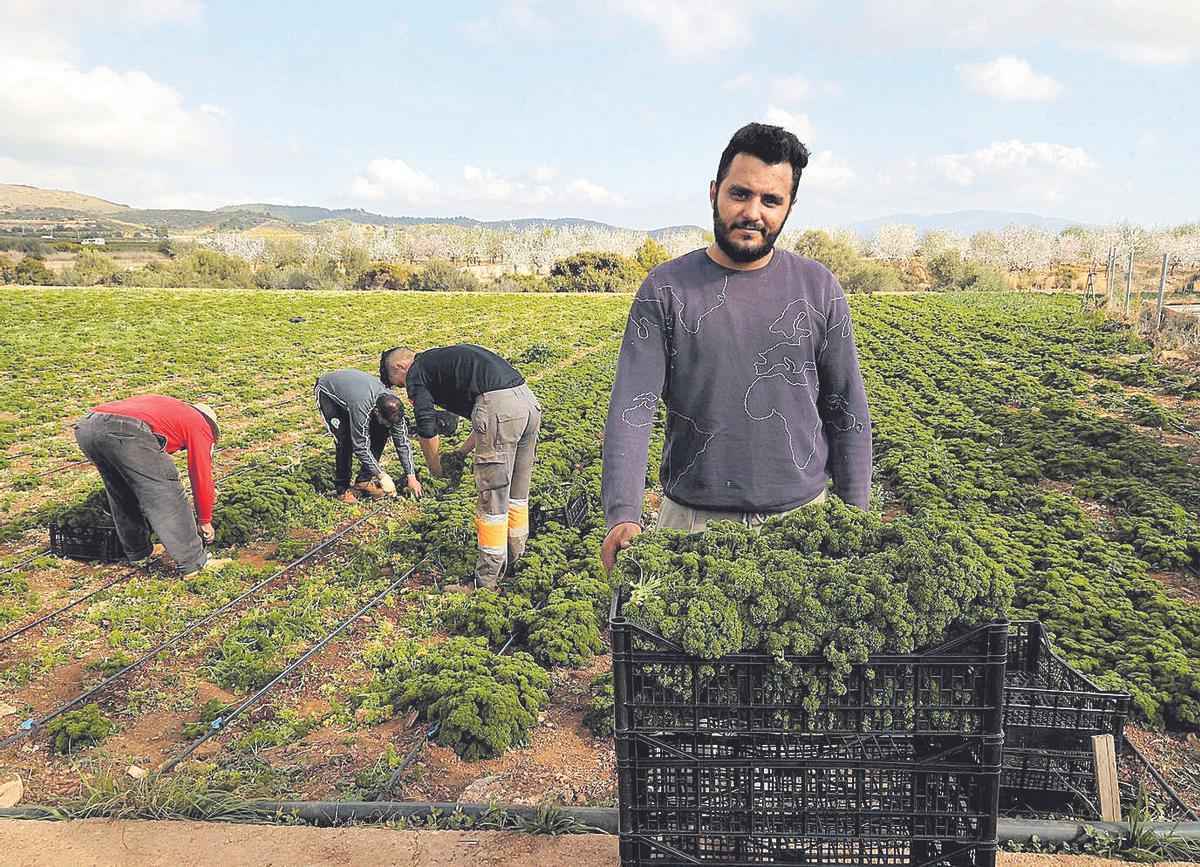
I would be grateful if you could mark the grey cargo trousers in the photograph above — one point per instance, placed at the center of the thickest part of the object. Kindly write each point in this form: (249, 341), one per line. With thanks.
(143, 488)
(506, 424)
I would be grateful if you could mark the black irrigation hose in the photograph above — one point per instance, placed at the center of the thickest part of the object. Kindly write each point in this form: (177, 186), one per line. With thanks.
(30, 725)
(28, 559)
(66, 607)
(221, 722)
(1161, 780)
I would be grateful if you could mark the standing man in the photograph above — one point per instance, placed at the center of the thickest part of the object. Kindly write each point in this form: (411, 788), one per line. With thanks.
(361, 414)
(752, 350)
(129, 442)
(505, 418)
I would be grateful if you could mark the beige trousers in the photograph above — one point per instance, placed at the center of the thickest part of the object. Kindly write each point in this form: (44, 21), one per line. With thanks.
(676, 516)
(506, 424)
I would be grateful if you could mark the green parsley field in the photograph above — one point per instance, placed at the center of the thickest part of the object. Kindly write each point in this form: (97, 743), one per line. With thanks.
(1045, 436)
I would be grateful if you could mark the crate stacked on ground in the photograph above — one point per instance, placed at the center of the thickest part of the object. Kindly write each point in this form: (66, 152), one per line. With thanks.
(731, 761)
(1051, 713)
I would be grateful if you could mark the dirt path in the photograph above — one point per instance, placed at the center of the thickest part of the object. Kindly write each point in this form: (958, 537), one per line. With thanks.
(94, 842)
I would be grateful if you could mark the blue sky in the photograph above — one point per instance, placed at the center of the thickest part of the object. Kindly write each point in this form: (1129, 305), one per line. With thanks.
(615, 111)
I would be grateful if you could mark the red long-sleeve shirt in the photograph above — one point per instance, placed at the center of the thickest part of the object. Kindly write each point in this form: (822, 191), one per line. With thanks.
(184, 427)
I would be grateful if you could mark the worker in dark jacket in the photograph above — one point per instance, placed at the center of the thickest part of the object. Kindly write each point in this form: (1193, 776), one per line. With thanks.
(361, 414)
(129, 442)
(505, 417)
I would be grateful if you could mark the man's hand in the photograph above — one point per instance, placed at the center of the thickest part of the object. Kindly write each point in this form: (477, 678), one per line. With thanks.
(386, 483)
(468, 445)
(207, 533)
(414, 486)
(616, 541)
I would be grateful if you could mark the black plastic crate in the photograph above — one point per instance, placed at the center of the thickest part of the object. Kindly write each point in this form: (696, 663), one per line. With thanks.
(85, 543)
(1051, 713)
(720, 762)
(571, 513)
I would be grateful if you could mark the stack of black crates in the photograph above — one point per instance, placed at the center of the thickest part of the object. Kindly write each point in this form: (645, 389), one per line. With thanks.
(720, 762)
(1051, 713)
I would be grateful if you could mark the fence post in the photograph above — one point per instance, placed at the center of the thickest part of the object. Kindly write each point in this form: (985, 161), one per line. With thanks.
(1162, 291)
(1129, 280)
(1109, 274)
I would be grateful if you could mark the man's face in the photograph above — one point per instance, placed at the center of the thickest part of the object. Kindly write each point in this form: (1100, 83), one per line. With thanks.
(750, 207)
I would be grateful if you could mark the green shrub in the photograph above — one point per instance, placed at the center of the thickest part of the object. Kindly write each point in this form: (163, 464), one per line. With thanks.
(31, 271)
(520, 283)
(210, 268)
(651, 254)
(838, 256)
(91, 268)
(869, 276)
(385, 275)
(595, 272)
(438, 275)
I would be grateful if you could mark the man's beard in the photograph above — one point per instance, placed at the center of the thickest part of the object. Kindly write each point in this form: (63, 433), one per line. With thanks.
(741, 255)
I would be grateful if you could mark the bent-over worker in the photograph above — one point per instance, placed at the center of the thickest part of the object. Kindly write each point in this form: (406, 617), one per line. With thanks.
(129, 442)
(361, 414)
(505, 418)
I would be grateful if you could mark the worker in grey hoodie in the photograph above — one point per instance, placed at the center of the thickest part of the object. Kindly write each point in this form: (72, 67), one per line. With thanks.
(361, 414)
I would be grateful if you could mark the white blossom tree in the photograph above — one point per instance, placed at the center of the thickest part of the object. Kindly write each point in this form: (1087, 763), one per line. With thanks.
(895, 242)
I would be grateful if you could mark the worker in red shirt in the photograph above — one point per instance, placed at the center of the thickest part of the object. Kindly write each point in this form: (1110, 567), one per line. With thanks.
(129, 442)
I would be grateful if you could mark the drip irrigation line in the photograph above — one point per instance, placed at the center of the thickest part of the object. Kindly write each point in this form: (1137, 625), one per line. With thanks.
(32, 724)
(28, 559)
(66, 607)
(221, 722)
(1161, 780)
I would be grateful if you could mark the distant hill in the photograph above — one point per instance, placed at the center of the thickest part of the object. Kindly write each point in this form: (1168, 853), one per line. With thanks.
(311, 214)
(966, 222)
(19, 197)
(185, 218)
(236, 218)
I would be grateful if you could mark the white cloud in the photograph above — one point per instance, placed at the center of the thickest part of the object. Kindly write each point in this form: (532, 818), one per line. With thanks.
(1139, 31)
(692, 29)
(826, 171)
(395, 180)
(53, 109)
(487, 185)
(386, 179)
(584, 190)
(796, 123)
(1009, 77)
(800, 88)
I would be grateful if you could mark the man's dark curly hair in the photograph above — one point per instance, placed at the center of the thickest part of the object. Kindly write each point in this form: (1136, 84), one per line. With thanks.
(771, 144)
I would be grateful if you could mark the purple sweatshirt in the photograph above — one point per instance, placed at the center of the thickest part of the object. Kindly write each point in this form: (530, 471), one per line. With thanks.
(760, 377)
